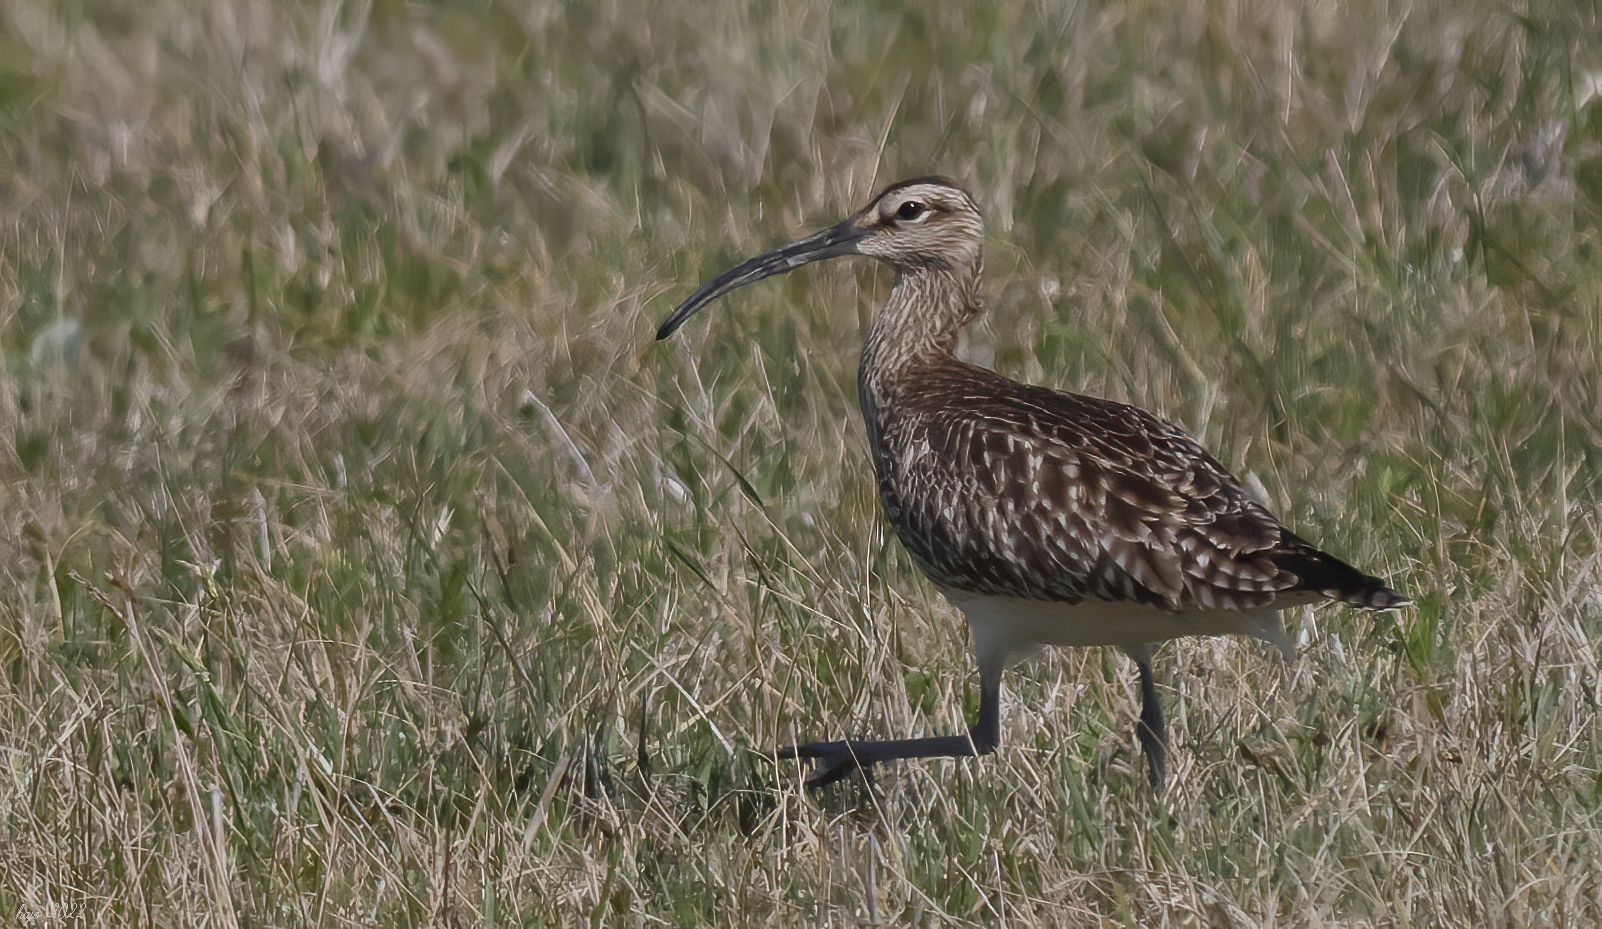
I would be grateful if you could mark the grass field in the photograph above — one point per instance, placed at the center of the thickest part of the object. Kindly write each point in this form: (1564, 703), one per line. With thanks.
(366, 563)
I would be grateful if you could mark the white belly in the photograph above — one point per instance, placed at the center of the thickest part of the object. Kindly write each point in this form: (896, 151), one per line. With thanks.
(1005, 628)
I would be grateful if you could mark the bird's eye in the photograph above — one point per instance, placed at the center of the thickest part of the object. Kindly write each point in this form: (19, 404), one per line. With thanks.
(910, 210)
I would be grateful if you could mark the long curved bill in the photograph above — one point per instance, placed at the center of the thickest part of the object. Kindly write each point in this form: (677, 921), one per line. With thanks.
(830, 243)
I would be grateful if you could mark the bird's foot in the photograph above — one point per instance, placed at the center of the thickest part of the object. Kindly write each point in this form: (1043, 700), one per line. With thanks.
(833, 760)
(837, 759)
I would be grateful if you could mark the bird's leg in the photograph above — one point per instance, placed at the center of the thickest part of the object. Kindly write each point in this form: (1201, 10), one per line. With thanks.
(1153, 733)
(837, 759)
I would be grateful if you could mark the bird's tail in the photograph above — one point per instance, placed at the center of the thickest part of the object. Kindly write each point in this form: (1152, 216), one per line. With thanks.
(1325, 574)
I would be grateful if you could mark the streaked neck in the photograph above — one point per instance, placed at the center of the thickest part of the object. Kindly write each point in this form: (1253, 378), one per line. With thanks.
(920, 321)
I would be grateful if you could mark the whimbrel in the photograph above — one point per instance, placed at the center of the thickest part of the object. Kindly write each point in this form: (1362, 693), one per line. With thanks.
(1047, 518)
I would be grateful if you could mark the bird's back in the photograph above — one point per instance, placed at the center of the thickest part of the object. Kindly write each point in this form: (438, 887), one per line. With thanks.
(1008, 489)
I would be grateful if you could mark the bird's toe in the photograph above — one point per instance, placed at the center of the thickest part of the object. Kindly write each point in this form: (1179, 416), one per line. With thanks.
(833, 760)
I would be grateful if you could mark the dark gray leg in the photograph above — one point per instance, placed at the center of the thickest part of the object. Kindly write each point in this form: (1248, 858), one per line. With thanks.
(837, 759)
(1153, 733)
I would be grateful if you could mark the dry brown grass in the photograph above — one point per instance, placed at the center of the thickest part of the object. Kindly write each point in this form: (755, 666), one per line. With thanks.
(366, 563)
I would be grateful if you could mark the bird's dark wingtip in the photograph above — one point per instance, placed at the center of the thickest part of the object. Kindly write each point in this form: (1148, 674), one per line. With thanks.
(1339, 581)
(1375, 598)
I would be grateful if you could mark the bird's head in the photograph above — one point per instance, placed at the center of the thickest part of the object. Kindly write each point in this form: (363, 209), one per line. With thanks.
(929, 223)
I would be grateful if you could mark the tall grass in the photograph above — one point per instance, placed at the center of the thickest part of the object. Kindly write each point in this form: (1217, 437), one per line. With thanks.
(366, 563)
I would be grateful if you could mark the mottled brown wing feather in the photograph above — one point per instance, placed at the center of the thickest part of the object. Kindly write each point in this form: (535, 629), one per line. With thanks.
(1004, 488)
